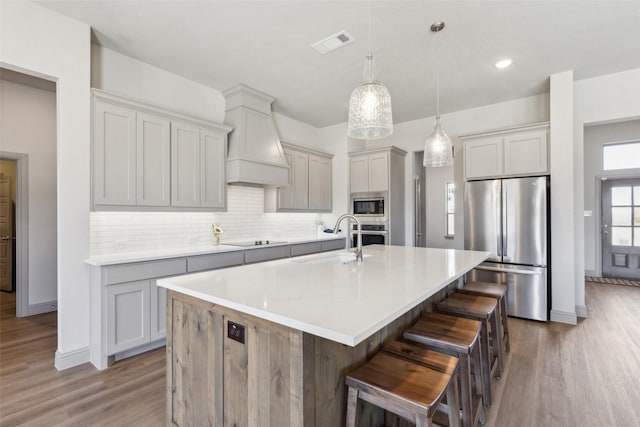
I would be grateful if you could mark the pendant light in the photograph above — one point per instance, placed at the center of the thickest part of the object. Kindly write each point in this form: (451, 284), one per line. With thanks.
(438, 150)
(370, 104)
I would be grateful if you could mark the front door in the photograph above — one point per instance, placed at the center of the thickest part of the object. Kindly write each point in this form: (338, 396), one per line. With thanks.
(621, 228)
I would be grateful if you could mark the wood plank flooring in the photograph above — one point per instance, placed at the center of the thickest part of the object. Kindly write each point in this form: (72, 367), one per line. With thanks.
(555, 375)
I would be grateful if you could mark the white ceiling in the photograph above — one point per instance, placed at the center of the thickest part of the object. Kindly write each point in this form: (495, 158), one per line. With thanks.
(265, 44)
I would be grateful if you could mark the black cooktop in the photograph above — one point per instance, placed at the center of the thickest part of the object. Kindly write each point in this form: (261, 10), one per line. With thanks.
(255, 243)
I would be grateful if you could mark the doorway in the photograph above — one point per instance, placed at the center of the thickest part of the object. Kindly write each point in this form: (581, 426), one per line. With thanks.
(8, 171)
(620, 228)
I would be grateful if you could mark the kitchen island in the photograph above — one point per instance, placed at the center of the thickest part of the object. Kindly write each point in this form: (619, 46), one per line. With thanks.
(270, 343)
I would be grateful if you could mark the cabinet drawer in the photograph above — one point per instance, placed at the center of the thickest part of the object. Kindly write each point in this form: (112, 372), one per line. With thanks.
(213, 261)
(333, 245)
(266, 254)
(144, 270)
(306, 248)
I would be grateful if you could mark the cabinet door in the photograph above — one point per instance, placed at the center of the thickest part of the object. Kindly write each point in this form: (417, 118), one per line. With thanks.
(379, 172)
(158, 311)
(320, 185)
(300, 181)
(483, 158)
(127, 316)
(212, 165)
(359, 174)
(185, 165)
(114, 155)
(525, 153)
(285, 194)
(153, 162)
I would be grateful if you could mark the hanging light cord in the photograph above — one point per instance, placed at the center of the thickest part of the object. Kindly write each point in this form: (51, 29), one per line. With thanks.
(437, 78)
(369, 4)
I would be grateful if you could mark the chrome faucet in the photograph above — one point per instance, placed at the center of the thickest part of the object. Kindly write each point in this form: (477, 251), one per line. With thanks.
(359, 230)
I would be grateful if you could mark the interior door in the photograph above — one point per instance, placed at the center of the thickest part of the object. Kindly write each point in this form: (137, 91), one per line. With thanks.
(621, 228)
(6, 234)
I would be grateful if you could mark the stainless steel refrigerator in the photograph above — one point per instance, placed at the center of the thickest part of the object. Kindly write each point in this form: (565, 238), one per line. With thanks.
(510, 218)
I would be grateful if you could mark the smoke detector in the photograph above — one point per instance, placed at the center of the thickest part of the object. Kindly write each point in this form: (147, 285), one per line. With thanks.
(332, 42)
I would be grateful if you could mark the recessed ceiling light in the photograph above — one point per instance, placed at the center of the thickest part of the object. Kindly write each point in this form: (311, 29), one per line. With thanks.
(504, 63)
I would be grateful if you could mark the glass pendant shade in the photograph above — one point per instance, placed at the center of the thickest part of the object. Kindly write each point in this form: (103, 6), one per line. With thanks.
(438, 150)
(370, 114)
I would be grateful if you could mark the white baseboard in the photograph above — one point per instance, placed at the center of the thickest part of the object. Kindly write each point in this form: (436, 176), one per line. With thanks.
(71, 358)
(43, 307)
(581, 311)
(564, 317)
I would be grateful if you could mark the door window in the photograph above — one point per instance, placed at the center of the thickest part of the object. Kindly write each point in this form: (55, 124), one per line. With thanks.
(625, 216)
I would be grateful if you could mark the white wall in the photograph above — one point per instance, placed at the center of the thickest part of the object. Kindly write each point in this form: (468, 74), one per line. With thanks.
(39, 42)
(563, 190)
(594, 138)
(29, 127)
(124, 75)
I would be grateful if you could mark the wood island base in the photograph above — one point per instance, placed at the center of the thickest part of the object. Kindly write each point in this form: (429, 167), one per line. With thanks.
(280, 376)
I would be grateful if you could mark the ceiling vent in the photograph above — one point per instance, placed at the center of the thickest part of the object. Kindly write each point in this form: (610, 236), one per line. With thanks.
(333, 42)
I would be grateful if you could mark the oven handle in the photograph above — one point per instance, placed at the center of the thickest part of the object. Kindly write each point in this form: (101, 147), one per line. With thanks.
(382, 233)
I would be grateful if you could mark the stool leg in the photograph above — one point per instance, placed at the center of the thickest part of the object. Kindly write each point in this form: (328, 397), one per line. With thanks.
(496, 332)
(479, 383)
(453, 403)
(485, 362)
(465, 389)
(352, 407)
(505, 325)
(423, 421)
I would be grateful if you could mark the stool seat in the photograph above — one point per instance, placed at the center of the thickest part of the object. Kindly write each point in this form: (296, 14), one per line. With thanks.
(408, 389)
(458, 336)
(499, 292)
(495, 290)
(430, 358)
(475, 306)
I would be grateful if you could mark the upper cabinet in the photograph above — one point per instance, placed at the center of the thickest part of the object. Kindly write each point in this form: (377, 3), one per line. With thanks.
(370, 170)
(508, 152)
(309, 187)
(150, 159)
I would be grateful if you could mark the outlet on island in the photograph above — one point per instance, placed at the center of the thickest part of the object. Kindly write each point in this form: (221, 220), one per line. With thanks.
(235, 331)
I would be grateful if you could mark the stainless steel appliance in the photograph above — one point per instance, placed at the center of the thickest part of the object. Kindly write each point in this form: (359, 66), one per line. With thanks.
(369, 205)
(372, 234)
(510, 218)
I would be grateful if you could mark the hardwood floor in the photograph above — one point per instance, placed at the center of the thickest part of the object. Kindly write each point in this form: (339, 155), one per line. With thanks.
(555, 375)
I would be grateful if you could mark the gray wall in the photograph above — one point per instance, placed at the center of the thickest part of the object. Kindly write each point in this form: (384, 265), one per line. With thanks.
(594, 137)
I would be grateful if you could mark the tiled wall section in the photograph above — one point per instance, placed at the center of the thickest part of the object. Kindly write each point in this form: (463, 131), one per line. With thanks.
(245, 219)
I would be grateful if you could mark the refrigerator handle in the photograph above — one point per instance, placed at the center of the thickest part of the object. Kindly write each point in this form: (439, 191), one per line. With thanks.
(505, 229)
(499, 220)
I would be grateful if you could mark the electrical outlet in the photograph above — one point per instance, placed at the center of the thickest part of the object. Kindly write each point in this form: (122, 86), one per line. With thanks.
(235, 331)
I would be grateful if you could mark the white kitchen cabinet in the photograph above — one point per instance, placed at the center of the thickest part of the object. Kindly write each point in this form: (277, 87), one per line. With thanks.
(128, 316)
(369, 172)
(320, 184)
(153, 164)
(157, 311)
(310, 183)
(146, 158)
(114, 154)
(517, 151)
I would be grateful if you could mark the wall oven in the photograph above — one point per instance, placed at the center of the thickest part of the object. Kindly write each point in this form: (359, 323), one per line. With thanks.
(369, 206)
(372, 234)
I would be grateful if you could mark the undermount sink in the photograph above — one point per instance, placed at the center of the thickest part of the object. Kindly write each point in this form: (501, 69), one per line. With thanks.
(330, 258)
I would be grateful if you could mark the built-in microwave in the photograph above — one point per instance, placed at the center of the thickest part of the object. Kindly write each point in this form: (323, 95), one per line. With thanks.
(368, 205)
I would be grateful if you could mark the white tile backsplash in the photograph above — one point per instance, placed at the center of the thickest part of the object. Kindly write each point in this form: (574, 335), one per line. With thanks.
(245, 219)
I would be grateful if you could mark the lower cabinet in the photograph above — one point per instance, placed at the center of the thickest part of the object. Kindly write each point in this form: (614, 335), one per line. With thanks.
(157, 312)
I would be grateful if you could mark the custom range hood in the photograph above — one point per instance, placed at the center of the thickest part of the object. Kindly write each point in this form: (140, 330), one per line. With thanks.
(255, 155)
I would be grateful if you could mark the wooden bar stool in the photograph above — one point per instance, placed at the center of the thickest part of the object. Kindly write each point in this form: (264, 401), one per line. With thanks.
(482, 309)
(498, 292)
(460, 337)
(408, 389)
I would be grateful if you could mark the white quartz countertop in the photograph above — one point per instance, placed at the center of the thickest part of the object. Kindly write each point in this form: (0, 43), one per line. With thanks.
(321, 295)
(150, 255)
